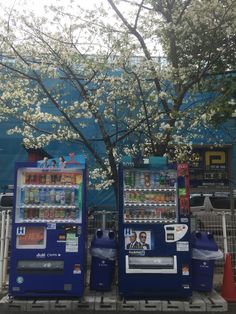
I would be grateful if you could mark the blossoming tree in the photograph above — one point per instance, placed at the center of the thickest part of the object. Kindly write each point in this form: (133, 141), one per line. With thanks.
(75, 70)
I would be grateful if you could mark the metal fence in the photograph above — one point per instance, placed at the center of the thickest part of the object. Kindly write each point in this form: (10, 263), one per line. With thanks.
(222, 226)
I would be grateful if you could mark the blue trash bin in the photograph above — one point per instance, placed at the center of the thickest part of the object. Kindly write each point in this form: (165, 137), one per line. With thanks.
(104, 252)
(204, 252)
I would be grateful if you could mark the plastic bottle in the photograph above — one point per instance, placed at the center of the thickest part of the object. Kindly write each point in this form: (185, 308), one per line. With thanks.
(25, 213)
(132, 179)
(21, 213)
(41, 213)
(141, 182)
(156, 179)
(62, 197)
(31, 196)
(52, 213)
(126, 178)
(46, 213)
(42, 179)
(57, 197)
(36, 195)
(52, 196)
(57, 213)
(48, 179)
(47, 196)
(72, 198)
(147, 180)
(62, 213)
(42, 196)
(26, 196)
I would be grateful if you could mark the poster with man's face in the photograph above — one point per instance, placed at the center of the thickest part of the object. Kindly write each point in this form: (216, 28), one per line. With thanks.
(137, 239)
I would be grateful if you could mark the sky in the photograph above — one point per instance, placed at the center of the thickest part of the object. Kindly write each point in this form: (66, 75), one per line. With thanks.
(37, 5)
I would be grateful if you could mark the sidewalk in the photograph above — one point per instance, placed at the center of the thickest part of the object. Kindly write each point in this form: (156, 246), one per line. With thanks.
(109, 302)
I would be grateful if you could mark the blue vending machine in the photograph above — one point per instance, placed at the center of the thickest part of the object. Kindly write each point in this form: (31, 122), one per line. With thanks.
(48, 230)
(154, 229)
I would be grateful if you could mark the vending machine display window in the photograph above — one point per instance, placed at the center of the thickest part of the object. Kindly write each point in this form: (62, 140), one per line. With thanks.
(31, 237)
(149, 196)
(49, 195)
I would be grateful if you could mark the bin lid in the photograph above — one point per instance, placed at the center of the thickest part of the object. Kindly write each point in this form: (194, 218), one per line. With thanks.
(203, 240)
(104, 238)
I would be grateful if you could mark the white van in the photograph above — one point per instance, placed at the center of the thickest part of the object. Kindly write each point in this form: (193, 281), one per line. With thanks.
(209, 202)
(6, 201)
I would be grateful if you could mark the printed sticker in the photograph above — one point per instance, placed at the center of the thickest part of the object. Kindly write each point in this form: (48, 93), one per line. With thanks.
(182, 246)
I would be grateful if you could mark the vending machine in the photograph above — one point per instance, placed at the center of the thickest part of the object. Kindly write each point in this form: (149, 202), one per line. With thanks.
(154, 229)
(48, 230)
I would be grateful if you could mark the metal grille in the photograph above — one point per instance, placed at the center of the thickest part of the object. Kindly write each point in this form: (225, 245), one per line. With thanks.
(102, 219)
(221, 225)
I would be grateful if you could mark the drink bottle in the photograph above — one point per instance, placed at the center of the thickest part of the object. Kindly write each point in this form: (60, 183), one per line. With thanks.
(156, 180)
(57, 213)
(62, 197)
(52, 213)
(26, 196)
(126, 179)
(42, 179)
(62, 213)
(57, 197)
(137, 179)
(53, 178)
(147, 180)
(42, 196)
(27, 178)
(47, 196)
(46, 213)
(132, 179)
(72, 198)
(33, 179)
(36, 195)
(41, 213)
(48, 179)
(68, 197)
(162, 179)
(78, 179)
(141, 183)
(21, 213)
(31, 196)
(52, 196)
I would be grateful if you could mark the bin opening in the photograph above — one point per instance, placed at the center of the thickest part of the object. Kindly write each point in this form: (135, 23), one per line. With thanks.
(99, 233)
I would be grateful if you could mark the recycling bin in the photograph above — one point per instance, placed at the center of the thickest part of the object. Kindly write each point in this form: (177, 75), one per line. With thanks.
(104, 253)
(204, 252)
